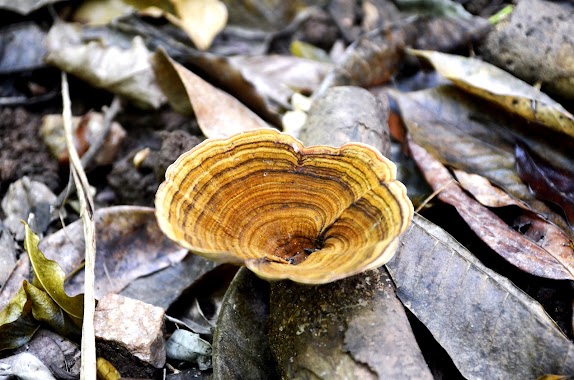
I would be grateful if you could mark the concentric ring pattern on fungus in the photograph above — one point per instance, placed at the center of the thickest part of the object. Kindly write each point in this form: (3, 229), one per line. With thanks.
(261, 199)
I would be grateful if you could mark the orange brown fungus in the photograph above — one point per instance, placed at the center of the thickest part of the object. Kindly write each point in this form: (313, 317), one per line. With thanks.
(260, 198)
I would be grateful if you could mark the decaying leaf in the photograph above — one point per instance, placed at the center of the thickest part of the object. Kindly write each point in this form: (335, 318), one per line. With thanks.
(129, 245)
(8, 256)
(374, 57)
(483, 191)
(548, 182)
(202, 20)
(20, 273)
(87, 129)
(16, 322)
(188, 346)
(49, 277)
(510, 244)
(455, 128)
(126, 72)
(240, 341)
(489, 327)
(24, 366)
(496, 85)
(42, 302)
(165, 286)
(544, 234)
(218, 113)
(24, 198)
(277, 76)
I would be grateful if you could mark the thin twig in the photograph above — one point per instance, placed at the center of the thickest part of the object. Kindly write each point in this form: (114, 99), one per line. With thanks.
(434, 194)
(109, 115)
(88, 360)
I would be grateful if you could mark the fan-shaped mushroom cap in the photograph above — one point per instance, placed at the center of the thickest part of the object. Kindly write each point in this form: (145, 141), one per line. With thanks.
(261, 199)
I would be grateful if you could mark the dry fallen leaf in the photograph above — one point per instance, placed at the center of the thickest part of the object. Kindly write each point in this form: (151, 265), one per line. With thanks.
(547, 181)
(490, 82)
(556, 262)
(490, 328)
(202, 20)
(484, 192)
(129, 245)
(218, 113)
(464, 133)
(126, 72)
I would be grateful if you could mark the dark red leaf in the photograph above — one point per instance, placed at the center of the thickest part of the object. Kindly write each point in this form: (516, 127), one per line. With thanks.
(547, 181)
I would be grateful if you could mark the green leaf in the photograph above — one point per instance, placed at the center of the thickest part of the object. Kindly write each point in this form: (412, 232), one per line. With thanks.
(16, 323)
(50, 277)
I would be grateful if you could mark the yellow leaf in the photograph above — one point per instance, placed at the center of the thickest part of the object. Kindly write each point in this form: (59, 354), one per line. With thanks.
(16, 323)
(202, 20)
(106, 371)
(50, 277)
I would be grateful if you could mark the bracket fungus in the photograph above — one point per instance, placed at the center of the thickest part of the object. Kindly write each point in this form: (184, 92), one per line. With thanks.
(261, 199)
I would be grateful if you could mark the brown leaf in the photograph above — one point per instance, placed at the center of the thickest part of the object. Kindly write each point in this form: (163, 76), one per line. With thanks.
(129, 245)
(126, 72)
(240, 346)
(498, 86)
(484, 192)
(374, 57)
(218, 113)
(276, 77)
(465, 133)
(507, 242)
(544, 234)
(548, 182)
(371, 60)
(490, 328)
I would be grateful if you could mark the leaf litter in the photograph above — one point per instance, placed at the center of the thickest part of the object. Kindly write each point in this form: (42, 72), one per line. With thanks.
(467, 332)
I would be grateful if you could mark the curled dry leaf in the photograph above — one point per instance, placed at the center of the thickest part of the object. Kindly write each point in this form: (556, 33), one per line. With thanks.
(125, 72)
(262, 199)
(218, 113)
(510, 244)
(496, 85)
(548, 182)
(489, 327)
